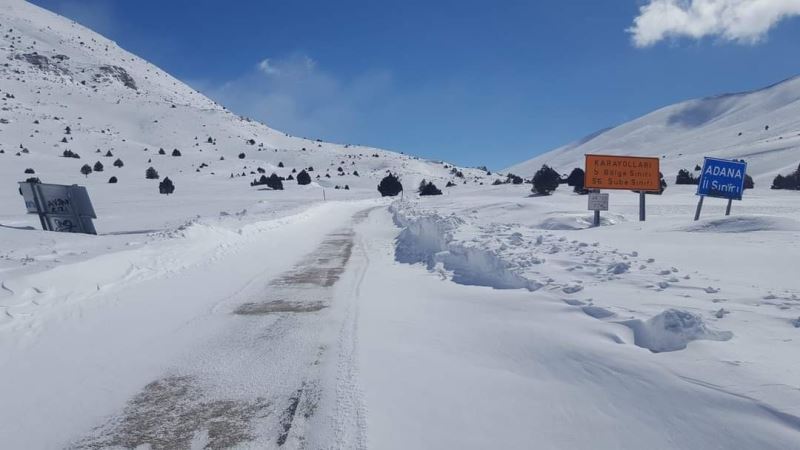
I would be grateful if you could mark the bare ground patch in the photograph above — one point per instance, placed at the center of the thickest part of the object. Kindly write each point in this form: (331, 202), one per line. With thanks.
(170, 412)
(278, 306)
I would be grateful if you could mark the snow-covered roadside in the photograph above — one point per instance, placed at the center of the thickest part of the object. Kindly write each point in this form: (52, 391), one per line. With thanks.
(87, 336)
(733, 333)
(444, 365)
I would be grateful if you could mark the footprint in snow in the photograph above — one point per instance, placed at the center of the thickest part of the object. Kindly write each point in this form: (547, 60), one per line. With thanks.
(572, 289)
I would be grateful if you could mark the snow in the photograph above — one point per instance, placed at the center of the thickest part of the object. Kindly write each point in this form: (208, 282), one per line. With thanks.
(731, 126)
(227, 315)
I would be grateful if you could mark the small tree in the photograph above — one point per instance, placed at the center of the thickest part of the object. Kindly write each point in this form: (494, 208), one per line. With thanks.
(275, 182)
(112, 180)
(176, 152)
(303, 178)
(684, 177)
(86, 170)
(118, 163)
(151, 174)
(161, 151)
(428, 188)
(98, 166)
(280, 164)
(545, 181)
(109, 154)
(513, 179)
(576, 179)
(390, 186)
(166, 186)
(30, 171)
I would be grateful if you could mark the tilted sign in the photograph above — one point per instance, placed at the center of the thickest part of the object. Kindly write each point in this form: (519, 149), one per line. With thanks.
(60, 207)
(722, 178)
(598, 201)
(632, 173)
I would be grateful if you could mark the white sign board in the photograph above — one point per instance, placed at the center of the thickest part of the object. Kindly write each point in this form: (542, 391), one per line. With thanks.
(60, 207)
(598, 201)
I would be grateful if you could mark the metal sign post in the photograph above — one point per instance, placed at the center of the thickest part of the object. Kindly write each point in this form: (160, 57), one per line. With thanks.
(641, 207)
(699, 208)
(721, 178)
(597, 202)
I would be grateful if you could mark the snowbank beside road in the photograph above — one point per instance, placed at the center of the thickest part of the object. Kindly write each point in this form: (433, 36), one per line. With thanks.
(428, 239)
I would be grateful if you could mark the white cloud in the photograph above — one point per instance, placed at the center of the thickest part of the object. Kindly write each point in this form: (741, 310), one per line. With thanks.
(267, 67)
(97, 15)
(293, 94)
(741, 21)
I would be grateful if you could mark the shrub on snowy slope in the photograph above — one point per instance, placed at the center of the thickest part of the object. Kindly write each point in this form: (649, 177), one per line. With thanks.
(546, 180)
(685, 177)
(791, 181)
(390, 186)
(166, 186)
(428, 188)
(303, 178)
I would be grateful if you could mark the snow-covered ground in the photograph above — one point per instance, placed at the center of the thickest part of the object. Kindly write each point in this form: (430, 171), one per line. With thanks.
(226, 315)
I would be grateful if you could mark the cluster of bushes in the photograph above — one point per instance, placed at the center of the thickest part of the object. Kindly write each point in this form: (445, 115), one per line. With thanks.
(428, 188)
(273, 182)
(790, 181)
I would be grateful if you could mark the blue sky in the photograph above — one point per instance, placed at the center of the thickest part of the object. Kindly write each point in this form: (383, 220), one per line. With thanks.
(473, 82)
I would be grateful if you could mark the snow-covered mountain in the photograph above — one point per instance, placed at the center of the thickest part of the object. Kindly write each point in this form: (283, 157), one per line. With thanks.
(57, 75)
(761, 127)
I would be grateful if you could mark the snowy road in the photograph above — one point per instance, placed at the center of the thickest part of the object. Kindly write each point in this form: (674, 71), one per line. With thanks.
(305, 332)
(222, 336)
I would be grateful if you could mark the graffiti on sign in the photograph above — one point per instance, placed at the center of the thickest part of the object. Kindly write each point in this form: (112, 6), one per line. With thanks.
(60, 207)
(632, 173)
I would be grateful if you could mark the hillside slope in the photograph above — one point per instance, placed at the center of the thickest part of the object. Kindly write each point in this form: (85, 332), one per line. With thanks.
(725, 126)
(64, 87)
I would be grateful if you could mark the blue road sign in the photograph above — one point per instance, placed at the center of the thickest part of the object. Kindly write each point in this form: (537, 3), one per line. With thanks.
(722, 178)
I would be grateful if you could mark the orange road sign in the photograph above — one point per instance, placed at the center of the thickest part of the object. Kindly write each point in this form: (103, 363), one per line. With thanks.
(631, 173)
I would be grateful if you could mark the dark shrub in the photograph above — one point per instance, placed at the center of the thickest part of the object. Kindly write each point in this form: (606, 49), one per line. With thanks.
(513, 179)
(390, 186)
(30, 171)
(176, 152)
(98, 166)
(151, 174)
(166, 187)
(428, 188)
(242, 155)
(303, 178)
(118, 163)
(791, 181)
(112, 180)
(684, 177)
(545, 181)
(275, 182)
(161, 151)
(86, 170)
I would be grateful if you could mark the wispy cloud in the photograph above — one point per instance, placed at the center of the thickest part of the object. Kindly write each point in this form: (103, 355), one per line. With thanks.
(294, 94)
(97, 15)
(741, 21)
